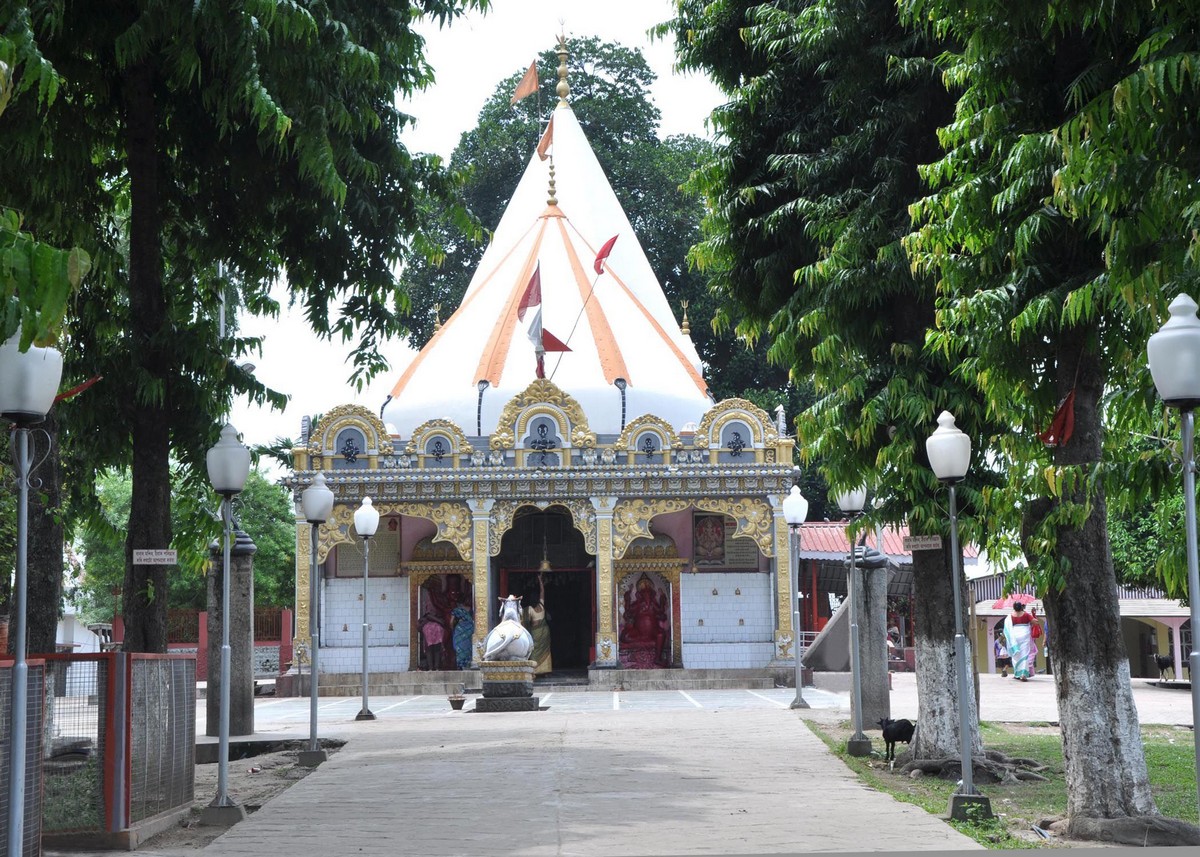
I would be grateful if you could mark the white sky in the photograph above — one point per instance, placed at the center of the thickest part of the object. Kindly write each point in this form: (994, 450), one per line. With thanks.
(470, 57)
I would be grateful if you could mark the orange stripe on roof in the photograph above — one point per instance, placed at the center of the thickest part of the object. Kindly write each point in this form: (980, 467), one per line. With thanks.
(412, 367)
(611, 360)
(491, 362)
(696, 377)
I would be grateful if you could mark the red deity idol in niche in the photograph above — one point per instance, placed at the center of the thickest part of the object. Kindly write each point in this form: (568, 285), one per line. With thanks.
(646, 625)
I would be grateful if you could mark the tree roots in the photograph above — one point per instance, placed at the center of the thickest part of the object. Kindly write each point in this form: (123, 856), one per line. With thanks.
(994, 767)
(1141, 831)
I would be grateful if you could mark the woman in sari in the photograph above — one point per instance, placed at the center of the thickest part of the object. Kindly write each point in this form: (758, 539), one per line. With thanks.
(1018, 633)
(539, 627)
(464, 633)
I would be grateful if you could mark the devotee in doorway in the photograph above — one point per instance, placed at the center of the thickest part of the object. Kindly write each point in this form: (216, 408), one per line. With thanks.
(538, 623)
(464, 628)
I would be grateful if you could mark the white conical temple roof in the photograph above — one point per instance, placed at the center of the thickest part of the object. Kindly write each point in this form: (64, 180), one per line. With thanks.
(617, 325)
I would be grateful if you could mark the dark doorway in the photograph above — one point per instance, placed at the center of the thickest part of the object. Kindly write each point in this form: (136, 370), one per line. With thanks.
(548, 539)
(569, 609)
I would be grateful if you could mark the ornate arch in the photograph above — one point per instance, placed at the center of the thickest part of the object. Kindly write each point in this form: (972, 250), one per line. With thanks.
(453, 522)
(422, 433)
(631, 519)
(323, 437)
(583, 518)
(658, 425)
(543, 392)
(714, 418)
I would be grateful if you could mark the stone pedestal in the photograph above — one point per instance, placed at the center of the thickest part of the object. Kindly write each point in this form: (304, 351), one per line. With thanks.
(507, 686)
(241, 637)
(872, 638)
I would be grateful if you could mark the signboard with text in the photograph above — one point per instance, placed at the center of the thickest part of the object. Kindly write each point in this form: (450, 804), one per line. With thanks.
(157, 556)
(922, 543)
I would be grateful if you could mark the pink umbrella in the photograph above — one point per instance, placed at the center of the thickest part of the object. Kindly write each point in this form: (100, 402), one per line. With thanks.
(1007, 602)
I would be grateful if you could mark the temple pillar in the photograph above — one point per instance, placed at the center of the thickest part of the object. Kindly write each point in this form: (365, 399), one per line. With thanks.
(607, 654)
(785, 601)
(303, 608)
(481, 519)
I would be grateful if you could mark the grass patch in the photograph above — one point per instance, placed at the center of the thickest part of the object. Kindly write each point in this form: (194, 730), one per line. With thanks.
(1169, 760)
(72, 800)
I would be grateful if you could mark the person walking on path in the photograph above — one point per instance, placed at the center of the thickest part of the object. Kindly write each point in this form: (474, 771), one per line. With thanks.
(1018, 634)
(1002, 657)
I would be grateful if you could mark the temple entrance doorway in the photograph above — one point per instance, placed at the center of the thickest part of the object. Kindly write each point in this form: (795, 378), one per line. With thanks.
(547, 542)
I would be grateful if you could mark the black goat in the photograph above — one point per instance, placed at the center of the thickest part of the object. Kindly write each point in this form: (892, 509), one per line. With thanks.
(1164, 663)
(893, 731)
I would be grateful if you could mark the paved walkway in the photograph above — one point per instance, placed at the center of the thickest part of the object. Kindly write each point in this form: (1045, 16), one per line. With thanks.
(719, 772)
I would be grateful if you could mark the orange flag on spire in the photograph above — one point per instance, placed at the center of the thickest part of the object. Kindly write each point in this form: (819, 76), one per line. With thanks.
(528, 84)
(547, 140)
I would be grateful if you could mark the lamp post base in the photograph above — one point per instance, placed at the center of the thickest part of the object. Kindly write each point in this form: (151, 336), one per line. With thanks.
(858, 746)
(365, 714)
(799, 702)
(222, 816)
(312, 758)
(969, 807)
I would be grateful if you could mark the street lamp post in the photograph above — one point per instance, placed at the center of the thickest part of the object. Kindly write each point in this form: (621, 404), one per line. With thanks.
(1174, 356)
(366, 522)
(851, 503)
(317, 503)
(795, 511)
(228, 468)
(949, 451)
(28, 383)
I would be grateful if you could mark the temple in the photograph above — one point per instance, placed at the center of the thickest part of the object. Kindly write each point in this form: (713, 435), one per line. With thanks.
(556, 430)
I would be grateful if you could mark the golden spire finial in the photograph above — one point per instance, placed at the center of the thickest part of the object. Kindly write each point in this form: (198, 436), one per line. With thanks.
(437, 317)
(563, 89)
(552, 199)
(685, 328)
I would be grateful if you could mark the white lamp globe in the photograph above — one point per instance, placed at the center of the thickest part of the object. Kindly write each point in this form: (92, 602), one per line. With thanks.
(366, 519)
(228, 463)
(949, 450)
(28, 381)
(795, 508)
(317, 501)
(852, 502)
(1174, 356)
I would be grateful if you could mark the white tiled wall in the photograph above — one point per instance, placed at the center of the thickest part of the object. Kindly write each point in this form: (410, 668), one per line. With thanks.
(727, 620)
(341, 626)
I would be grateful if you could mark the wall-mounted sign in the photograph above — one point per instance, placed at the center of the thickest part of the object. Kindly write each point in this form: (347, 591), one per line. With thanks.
(158, 556)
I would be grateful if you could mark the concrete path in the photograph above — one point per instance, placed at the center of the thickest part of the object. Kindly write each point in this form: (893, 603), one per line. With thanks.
(725, 781)
(653, 773)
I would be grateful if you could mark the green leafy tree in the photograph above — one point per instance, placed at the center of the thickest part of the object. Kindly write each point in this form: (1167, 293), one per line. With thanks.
(263, 136)
(609, 86)
(833, 106)
(1040, 307)
(264, 512)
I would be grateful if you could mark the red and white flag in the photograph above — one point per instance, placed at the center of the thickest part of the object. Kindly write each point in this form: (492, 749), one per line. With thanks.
(543, 340)
(603, 254)
(528, 84)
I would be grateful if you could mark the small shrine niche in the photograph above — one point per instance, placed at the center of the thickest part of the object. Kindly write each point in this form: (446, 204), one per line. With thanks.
(737, 442)
(350, 450)
(439, 451)
(543, 442)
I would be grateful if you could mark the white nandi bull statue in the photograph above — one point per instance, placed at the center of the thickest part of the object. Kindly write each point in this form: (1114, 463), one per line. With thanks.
(509, 640)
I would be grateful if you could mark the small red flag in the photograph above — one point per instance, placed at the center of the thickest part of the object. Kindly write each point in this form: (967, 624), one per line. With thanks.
(603, 254)
(75, 391)
(528, 84)
(533, 293)
(550, 342)
(547, 140)
(1062, 426)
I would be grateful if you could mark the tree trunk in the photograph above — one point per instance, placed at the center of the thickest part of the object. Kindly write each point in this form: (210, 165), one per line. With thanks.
(145, 593)
(937, 735)
(45, 544)
(1102, 746)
